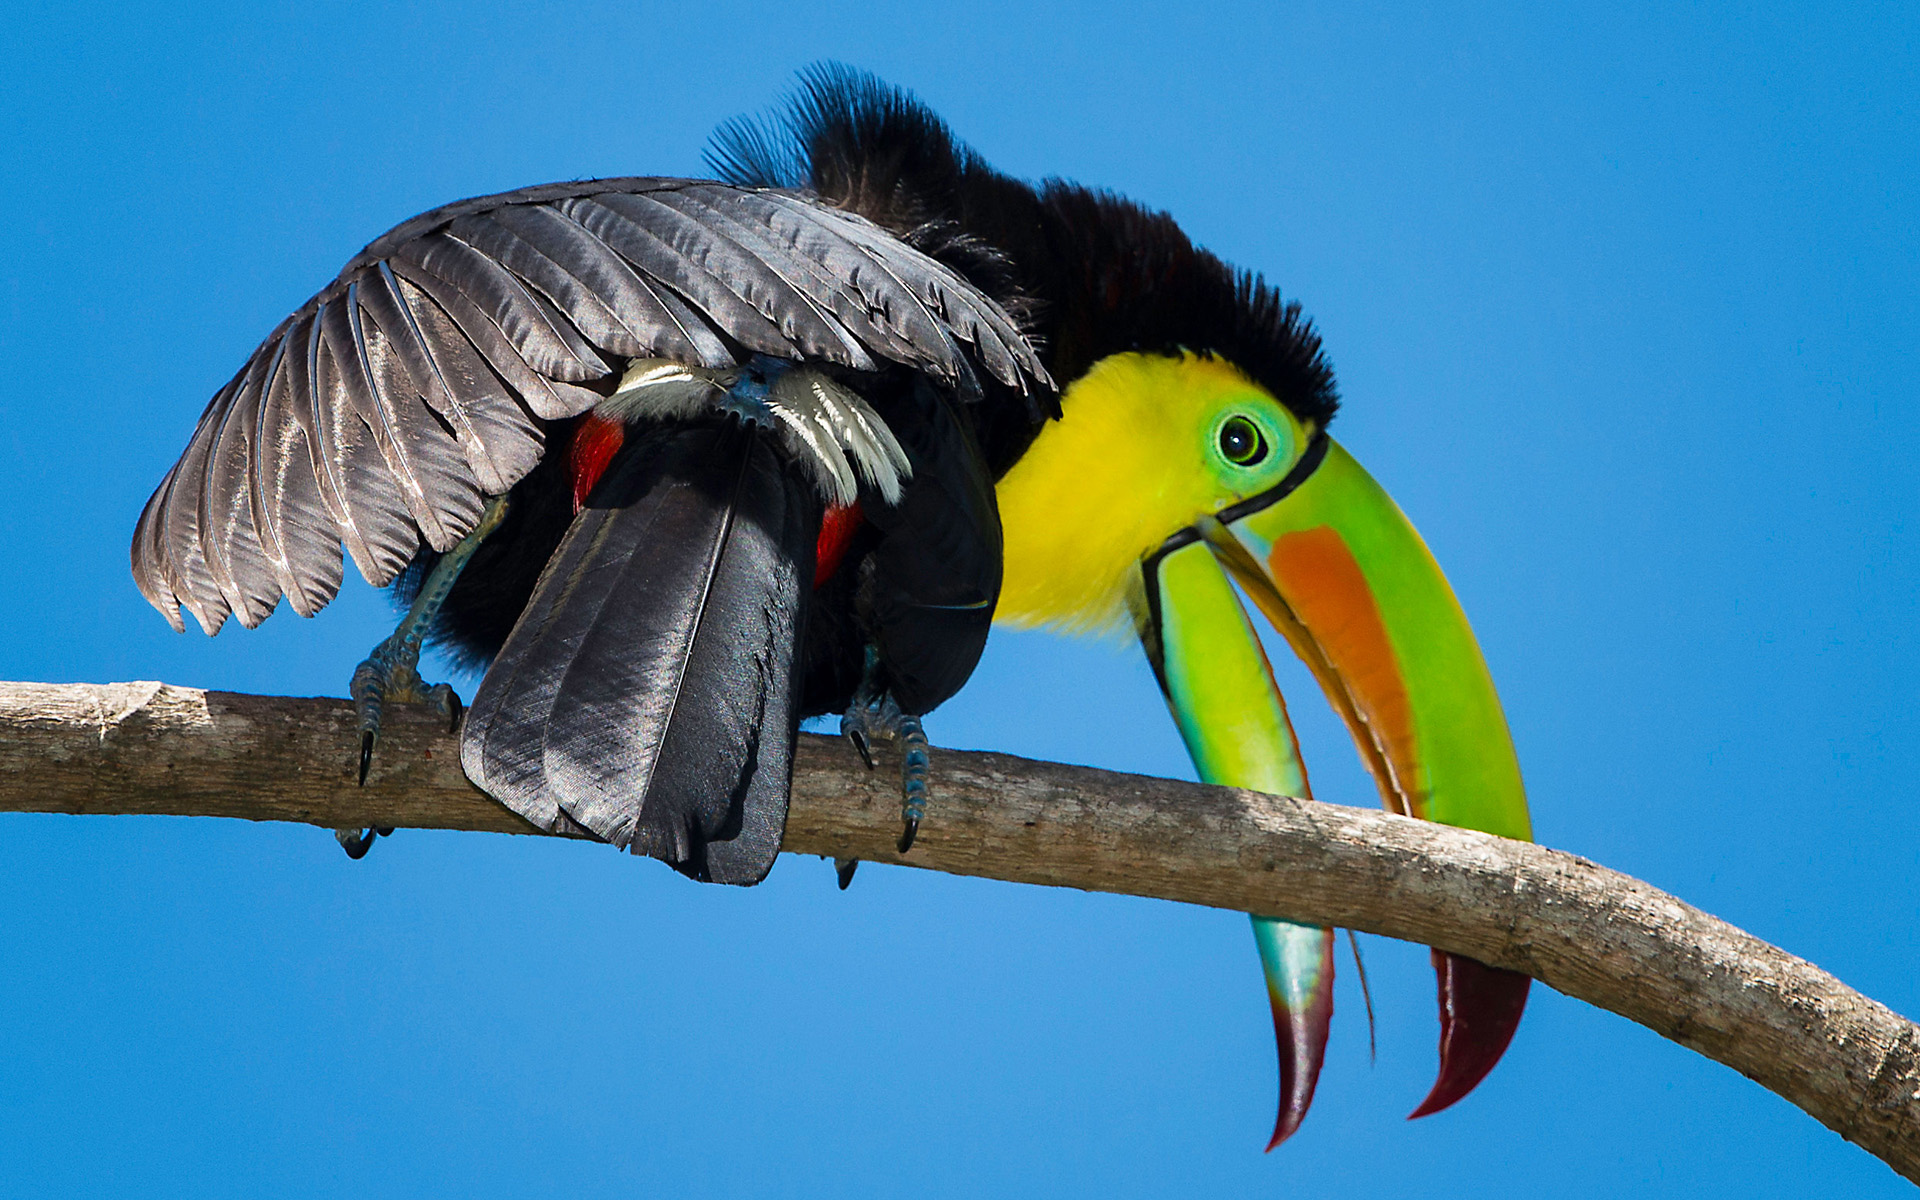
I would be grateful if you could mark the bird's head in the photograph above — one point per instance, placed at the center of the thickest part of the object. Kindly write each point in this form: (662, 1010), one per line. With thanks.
(1191, 458)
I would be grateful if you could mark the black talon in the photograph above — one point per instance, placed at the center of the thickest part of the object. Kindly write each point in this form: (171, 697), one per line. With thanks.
(356, 843)
(875, 710)
(843, 869)
(391, 674)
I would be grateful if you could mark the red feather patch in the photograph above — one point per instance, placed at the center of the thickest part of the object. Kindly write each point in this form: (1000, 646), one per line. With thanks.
(837, 528)
(595, 441)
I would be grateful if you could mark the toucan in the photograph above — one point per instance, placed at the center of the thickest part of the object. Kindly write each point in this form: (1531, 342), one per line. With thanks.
(680, 463)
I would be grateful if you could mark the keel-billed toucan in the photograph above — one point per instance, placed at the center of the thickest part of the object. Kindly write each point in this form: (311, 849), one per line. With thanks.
(683, 462)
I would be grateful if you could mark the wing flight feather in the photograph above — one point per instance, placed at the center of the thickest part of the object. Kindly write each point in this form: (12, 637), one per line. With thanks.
(291, 515)
(380, 415)
(227, 535)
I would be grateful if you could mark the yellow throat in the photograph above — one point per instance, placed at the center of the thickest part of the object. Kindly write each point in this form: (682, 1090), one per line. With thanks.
(1135, 456)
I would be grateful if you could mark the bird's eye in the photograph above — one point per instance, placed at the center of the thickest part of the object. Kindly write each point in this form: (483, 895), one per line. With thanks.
(1242, 443)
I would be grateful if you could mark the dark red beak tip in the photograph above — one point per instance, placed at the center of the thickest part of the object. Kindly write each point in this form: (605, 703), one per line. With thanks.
(1480, 1008)
(1285, 1127)
(1300, 1035)
(1303, 1047)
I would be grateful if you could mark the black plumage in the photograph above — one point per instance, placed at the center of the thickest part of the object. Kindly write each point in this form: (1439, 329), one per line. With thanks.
(647, 693)
(648, 655)
(928, 586)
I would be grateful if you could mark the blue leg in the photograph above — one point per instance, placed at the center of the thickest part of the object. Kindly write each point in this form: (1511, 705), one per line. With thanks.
(392, 672)
(877, 713)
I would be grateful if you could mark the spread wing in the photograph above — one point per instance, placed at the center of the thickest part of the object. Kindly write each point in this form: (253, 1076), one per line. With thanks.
(384, 411)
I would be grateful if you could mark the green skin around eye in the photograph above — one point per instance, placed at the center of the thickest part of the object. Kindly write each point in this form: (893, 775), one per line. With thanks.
(1276, 444)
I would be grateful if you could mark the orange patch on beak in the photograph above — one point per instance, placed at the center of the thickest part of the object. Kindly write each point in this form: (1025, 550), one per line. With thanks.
(1337, 631)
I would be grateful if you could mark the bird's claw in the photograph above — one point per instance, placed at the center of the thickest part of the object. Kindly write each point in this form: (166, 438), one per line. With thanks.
(916, 768)
(843, 869)
(391, 674)
(444, 700)
(881, 715)
(858, 736)
(356, 842)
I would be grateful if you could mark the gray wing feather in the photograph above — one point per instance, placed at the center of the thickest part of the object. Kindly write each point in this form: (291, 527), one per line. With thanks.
(310, 411)
(705, 339)
(842, 310)
(150, 570)
(373, 518)
(381, 414)
(359, 357)
(957, 310)
(293, 522)
(591, 284)
(549, 397)
(227, 536)
(867, 283)
(500, 439)
(187, 573)
(750, 313)
(650, 310)
(541, 335)
(821, 239)
(268, 467)
(785, 292)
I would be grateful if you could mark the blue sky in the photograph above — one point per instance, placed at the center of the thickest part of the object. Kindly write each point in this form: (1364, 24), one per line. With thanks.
(1622, 300)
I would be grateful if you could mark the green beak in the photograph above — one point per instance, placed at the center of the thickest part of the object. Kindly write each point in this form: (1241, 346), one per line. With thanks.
(1332, 562)
(1344, 577)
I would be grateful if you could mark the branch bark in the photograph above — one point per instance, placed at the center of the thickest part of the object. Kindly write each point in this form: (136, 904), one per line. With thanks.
(1592, 933)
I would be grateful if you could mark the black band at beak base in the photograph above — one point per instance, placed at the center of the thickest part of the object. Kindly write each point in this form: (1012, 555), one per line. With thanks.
(1308, 464)
(1150, 566)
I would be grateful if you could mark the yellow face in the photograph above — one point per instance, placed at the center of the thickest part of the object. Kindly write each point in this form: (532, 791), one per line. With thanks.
(1144, 446)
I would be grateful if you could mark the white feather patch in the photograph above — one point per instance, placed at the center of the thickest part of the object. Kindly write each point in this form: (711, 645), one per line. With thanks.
(821, 423)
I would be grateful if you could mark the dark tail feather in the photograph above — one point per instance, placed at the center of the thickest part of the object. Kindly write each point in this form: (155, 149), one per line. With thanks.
(648, 693)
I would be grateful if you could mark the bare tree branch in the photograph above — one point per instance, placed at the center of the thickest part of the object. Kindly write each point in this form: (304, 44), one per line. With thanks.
(1594, 934)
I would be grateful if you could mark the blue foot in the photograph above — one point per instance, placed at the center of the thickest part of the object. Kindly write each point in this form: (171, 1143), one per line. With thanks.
(391, 674)
(882, 716)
